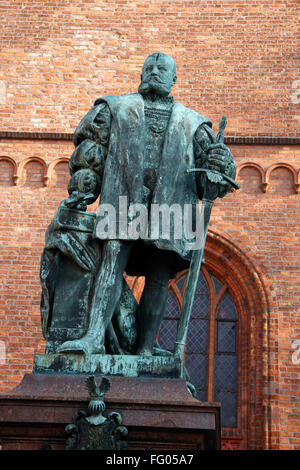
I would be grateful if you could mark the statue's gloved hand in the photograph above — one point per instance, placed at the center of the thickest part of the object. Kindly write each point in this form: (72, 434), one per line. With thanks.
(83, 188)
(219, 158)
(76, 201)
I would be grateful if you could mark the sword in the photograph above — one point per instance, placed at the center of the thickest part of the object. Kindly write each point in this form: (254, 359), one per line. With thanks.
(213, 177)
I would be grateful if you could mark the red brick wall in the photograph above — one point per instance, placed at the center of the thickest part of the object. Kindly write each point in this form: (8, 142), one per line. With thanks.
(265, 226)
(235, 58)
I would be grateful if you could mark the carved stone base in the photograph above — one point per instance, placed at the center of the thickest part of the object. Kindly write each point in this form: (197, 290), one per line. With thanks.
(158, 413)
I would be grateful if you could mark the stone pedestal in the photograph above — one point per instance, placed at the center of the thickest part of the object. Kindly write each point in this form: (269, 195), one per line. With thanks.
(159, 413)
(108, 365)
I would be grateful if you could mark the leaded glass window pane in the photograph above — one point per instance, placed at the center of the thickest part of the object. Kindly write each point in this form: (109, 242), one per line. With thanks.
(225, 380)
(196, 365)
(227, 309)
(201, 394)
(226, 336)
(225, 372)
(167, 336)
(201, 300)
(197, 337)
(172, 308)
(225, 390)
(228, 408)
(180, 283)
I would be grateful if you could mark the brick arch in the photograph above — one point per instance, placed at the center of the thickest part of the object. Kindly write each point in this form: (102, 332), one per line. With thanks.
(228, 262)
(257, 167)
(24, 162)
(287, 166)
(251, 165)
(52, 166)
(12, 162)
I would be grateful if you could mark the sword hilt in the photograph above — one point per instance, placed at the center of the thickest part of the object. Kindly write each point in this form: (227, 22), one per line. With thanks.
(213, 175)
(220, 176)
(222, 125)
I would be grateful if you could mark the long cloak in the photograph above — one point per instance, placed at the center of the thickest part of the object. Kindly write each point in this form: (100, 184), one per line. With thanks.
(123, 174)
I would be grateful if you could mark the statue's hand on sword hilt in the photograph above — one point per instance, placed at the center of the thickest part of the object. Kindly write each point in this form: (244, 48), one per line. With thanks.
(213, 175)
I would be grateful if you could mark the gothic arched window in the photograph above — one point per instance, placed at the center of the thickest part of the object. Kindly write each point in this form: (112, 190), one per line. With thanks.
(211, 347)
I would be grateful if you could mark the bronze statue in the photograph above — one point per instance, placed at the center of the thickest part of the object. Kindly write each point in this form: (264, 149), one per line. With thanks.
(139, 148)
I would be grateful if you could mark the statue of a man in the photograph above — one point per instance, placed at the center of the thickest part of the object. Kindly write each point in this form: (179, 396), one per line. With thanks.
(141, 146)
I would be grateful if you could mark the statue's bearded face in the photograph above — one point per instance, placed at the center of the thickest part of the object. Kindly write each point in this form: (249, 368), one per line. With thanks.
(159, 75)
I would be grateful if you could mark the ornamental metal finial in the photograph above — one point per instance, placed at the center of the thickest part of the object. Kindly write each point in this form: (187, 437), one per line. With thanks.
(95, 431)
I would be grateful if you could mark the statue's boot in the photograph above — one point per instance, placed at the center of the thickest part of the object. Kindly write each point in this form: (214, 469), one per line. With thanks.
(107, 293)
(151, 312)
(88, 344)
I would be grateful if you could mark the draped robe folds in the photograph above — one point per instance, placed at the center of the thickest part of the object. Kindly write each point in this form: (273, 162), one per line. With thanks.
(123, 172)
(69, 263)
